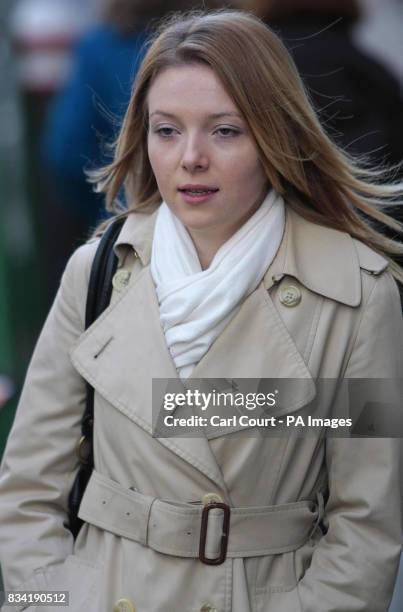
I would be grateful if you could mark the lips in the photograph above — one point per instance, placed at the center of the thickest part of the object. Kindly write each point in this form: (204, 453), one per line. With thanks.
(197, 194)
(198, 189)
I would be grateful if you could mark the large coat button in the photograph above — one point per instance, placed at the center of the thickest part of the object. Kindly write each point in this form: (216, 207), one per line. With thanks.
(124, 605)
(290, 295)
(121, 279)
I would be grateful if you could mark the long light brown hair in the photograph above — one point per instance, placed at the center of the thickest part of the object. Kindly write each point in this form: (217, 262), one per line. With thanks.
(317, 179)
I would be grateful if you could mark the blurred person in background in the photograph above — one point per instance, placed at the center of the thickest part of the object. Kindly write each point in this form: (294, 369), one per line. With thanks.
(43, 33)
(379, 32)
(358, 99)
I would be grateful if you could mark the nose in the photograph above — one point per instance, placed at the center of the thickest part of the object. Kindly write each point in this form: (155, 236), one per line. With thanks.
(195, 157)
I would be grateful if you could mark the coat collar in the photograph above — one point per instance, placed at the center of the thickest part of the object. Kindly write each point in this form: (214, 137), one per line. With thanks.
(322, 259)
(137, 232)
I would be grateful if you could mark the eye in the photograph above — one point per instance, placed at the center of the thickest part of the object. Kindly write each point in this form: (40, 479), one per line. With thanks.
(164, 132)
(228, 132)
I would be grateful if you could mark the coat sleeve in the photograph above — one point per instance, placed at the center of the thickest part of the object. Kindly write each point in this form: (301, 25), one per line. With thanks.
(354, 565)
(40, 462)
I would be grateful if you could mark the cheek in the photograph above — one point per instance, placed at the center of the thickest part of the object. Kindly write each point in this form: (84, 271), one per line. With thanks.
(247, 174)
(243, 161)
(158, 164)
(153, 157)
(163, 158)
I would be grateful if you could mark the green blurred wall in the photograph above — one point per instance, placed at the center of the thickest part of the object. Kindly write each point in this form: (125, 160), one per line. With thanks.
(19, 278)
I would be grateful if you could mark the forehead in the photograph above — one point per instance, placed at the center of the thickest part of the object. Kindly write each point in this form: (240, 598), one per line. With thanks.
(189, 87)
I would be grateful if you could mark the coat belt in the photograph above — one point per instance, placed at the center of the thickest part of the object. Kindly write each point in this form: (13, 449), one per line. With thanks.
(174, 528)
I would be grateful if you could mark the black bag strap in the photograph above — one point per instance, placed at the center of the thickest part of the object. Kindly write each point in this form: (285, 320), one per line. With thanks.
(102, 270)
(98, 298)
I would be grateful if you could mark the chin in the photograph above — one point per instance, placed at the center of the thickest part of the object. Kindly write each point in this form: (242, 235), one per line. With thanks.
(194, 218)
(196, 226)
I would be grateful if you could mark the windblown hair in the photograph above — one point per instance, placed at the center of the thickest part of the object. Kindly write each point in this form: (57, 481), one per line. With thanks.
(316, 178)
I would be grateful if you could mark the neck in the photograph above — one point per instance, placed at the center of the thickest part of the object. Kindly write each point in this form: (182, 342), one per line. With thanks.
(206, 251)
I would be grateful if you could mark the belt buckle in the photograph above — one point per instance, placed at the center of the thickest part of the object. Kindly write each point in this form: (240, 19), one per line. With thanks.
(225, 533)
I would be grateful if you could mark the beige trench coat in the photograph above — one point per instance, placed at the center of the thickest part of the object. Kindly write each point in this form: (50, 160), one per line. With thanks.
(347, 324)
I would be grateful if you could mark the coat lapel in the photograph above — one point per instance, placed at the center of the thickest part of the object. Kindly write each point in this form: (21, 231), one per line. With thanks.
(256, 354)
(125, 349)
(121, 354)
(255, 344)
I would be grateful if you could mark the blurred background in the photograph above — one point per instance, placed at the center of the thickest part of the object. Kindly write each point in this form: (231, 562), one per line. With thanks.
(67, 67)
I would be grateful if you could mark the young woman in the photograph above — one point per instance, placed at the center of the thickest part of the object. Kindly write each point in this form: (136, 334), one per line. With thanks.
(247, 252)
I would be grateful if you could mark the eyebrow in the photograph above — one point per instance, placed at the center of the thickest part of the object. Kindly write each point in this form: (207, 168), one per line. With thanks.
(212, 116)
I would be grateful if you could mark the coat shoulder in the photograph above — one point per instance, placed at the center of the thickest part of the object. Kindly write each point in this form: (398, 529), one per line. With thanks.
(79, 265)
(376, 278)
(330, 262)
(75, 280)
(369, 260)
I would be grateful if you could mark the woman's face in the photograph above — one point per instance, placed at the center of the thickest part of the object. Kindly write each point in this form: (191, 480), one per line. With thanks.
(198, 141)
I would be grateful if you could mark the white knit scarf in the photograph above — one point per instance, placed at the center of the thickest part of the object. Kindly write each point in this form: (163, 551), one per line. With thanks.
(195, 304)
